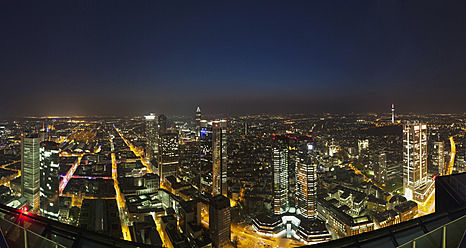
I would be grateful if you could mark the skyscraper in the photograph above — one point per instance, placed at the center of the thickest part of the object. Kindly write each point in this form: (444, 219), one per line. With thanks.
(414, 159)
(151, 135)
(306, 183)
(205, 160)
(162, 124)
(380, 168)
(219, 157)
(49, 179)
(219, 221)
(30, 171)
(438, 158)
(280, 174)
(198, 123)
(168, 155)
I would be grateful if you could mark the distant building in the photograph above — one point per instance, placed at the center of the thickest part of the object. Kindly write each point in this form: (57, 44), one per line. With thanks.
(30, 171)
(280, 174)
(162, 124)
(198, 123)
(168, 155)
(152, 135)
(49, 179)
(219, 221)
(380, 168)
(438, 158)
(219, 157)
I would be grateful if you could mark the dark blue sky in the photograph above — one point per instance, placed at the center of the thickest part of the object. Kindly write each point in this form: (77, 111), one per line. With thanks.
(133, 57)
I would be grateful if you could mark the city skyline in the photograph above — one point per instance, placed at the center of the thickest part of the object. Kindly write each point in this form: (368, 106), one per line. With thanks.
(77, 58)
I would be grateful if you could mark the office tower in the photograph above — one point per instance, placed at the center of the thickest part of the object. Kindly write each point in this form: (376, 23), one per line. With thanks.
(219, 221)
(30, 171)
(162, 124)
(280, 174)
(219, 157)
(198, 123)
(205, 159)
(152, 135)
(49, 179)
(380, 168)
(306, 183)
(414, 159)
(393, 113)
(438, 158)
(168, 155)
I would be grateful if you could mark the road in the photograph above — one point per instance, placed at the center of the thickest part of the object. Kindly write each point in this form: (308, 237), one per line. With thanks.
(120, 199)
(69, 175)
(452, 156)
(136, 152)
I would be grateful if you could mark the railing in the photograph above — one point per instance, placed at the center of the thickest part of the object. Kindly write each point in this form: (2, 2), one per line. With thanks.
(448, 235)
(19, 236)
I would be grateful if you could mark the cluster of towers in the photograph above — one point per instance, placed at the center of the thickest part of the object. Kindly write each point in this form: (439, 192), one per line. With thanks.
(294, 158)
(211, 137)
(40, 180)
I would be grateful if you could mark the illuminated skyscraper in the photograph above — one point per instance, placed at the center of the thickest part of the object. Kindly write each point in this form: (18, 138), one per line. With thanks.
(219, 157)
(280, 174)
(162, 124)
(30, 171)
(438, 158)
(49, 179)
(151, 135)
(205, 160)
(380, 168)
(219, 221)
(168, 155)
(414, 160)
(306, 183)
(198, 123)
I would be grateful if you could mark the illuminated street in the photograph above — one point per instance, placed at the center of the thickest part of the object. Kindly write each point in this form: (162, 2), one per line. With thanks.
(120, 200)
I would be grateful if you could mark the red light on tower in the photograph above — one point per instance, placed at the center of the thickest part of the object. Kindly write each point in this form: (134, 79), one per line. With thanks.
(24, 209)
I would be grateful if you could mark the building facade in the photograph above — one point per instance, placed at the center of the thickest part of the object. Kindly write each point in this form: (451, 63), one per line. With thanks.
(219, 158)
(30, 171)
(280, 174)
(168, 157)
(306, 184)
(219, 221)
(49, 179)
(414, 158)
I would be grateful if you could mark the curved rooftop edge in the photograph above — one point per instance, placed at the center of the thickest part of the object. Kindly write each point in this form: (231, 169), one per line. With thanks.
(44, 230)
(399, 234)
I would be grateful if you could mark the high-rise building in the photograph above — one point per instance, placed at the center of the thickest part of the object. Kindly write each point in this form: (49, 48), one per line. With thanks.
(168, 157)
(205, 165)
(198, 123)
(219, 221)
(414, 159)
(219, 157)
(438, 158)
(162, 124)
(49, 179)
(152, 135)
(380, 168)
(30, 171)
(306, 183)
(280, 174)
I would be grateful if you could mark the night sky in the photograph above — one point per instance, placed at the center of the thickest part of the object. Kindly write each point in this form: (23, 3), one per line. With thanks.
(231, 57)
